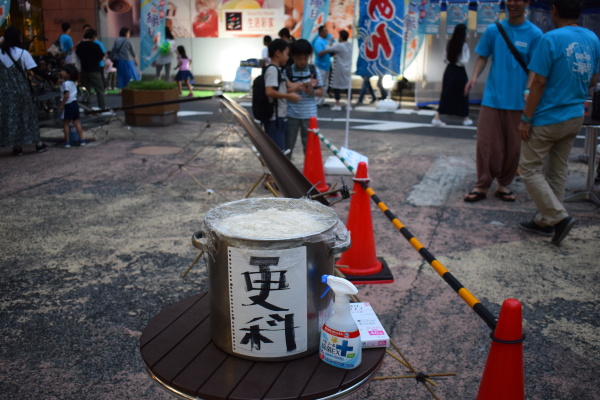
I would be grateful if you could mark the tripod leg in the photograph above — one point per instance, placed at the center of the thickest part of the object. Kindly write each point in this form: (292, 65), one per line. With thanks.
(193, 263)
(263, 176)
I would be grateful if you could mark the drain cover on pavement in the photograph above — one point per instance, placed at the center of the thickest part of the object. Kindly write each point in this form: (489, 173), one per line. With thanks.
(156, 150)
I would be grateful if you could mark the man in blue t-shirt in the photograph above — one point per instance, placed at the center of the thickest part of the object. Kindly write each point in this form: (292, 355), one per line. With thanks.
(304, 79)
(498, 141)
(323, 60)
(66, 43)
(565, 65)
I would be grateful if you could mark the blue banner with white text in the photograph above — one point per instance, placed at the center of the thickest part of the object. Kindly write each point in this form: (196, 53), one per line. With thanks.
(488, 12)
(429, 17)
(457, 12)
(4, 9)
(380, 30)
(315, 15)
(152, 30)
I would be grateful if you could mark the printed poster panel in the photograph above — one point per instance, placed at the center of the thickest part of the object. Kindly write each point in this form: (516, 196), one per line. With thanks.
(341, 16)
(244, 18)
(4, 9)
(488, 12)
(457, 13)
(180, 14)
(315, 14)
(152, 28)
(429, 20)
(249, 23)
(267, 298)
(243, 79)
(380, 31)
(337, 15)
(413, 40)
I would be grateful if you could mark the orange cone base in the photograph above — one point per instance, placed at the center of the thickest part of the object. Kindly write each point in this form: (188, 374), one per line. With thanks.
(384, 274)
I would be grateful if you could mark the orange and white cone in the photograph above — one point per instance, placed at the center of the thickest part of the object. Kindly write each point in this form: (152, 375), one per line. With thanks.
(313, 159)
(361, 257)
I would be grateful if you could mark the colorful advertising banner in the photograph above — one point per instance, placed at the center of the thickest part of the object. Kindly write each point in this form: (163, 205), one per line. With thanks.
(429, 17)
(457, 13)
(380, 31)
(488, 12)
(315, 15)
(152, 30)
(4, 9)
(413, 40)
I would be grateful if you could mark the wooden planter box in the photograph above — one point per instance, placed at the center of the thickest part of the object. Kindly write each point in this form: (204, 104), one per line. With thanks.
(150, 116)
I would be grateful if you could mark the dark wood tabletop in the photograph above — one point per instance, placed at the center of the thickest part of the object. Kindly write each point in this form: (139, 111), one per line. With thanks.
(180, 355)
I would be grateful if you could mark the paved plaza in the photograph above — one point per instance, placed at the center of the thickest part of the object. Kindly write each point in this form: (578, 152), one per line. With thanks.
(94, 242)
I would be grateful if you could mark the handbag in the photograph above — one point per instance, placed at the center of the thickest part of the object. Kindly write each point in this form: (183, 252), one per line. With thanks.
(114, 56)
(55, 48)
(73, 59)
(512, 48)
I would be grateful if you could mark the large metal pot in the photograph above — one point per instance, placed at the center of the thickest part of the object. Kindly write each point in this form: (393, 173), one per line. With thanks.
(265, 291)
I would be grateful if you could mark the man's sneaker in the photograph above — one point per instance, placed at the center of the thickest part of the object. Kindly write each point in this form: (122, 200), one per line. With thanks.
(82, 142)
(561, 230)
(67, 145)
(532, 227)
(336, 108)
(17, 150)
(41, 148)
(468, 122)
(437, 122)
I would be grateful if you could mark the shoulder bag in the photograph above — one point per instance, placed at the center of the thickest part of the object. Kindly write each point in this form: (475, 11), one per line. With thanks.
(114, 57)
(512, 48)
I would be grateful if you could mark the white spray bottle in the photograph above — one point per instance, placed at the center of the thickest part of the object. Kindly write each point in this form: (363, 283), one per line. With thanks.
(340, 345)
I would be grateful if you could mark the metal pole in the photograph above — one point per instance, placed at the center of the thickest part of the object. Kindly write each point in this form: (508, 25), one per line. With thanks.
(354, 33)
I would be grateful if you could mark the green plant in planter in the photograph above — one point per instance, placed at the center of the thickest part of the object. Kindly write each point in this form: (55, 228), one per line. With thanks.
(160, 93)
(151, 85)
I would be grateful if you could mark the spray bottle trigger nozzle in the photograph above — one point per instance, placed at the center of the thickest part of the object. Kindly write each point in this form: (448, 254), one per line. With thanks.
(325, 292)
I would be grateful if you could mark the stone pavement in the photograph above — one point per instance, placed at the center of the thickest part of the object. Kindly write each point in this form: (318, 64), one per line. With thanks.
(94, 241)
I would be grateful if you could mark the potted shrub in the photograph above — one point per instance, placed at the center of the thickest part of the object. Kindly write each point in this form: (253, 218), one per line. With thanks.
(144, 92)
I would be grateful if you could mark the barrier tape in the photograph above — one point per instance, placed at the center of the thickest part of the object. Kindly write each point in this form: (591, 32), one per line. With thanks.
(464, 294)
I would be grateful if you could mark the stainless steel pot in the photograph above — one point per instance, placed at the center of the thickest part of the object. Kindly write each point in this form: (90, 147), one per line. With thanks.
(265, 292)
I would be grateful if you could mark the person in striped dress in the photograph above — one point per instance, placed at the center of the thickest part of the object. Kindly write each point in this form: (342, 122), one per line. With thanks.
(304, 79)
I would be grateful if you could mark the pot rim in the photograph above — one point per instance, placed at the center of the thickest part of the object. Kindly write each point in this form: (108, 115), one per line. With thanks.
(335, 220)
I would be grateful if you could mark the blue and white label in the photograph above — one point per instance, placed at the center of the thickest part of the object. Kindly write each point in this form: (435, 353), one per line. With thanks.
(340, 349)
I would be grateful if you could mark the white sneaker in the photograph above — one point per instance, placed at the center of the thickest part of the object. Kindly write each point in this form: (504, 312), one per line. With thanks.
(349, 107)
(468, 122)
(336, 108)
(437, 122)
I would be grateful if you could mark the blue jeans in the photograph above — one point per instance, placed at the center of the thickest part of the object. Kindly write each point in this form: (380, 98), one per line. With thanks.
(366, 87)
(275, 129)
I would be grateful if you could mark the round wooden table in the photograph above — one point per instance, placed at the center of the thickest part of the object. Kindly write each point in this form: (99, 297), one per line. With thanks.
(180, 355)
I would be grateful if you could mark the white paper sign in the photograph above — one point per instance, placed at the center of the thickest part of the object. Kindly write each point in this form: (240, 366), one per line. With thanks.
(353, 158)
(267, 298)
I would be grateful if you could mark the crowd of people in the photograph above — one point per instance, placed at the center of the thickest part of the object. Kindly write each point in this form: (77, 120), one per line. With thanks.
(531, 111)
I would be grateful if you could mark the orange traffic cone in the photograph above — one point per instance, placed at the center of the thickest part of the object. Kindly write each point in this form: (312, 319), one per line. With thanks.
(503, 376)
(313, 159)
(360, 261)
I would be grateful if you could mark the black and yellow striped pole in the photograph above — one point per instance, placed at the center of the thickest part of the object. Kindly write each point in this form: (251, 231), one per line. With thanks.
(463, 292)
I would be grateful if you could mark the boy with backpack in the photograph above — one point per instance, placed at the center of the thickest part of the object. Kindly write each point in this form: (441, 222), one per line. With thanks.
(303, 78)
(270, 96)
